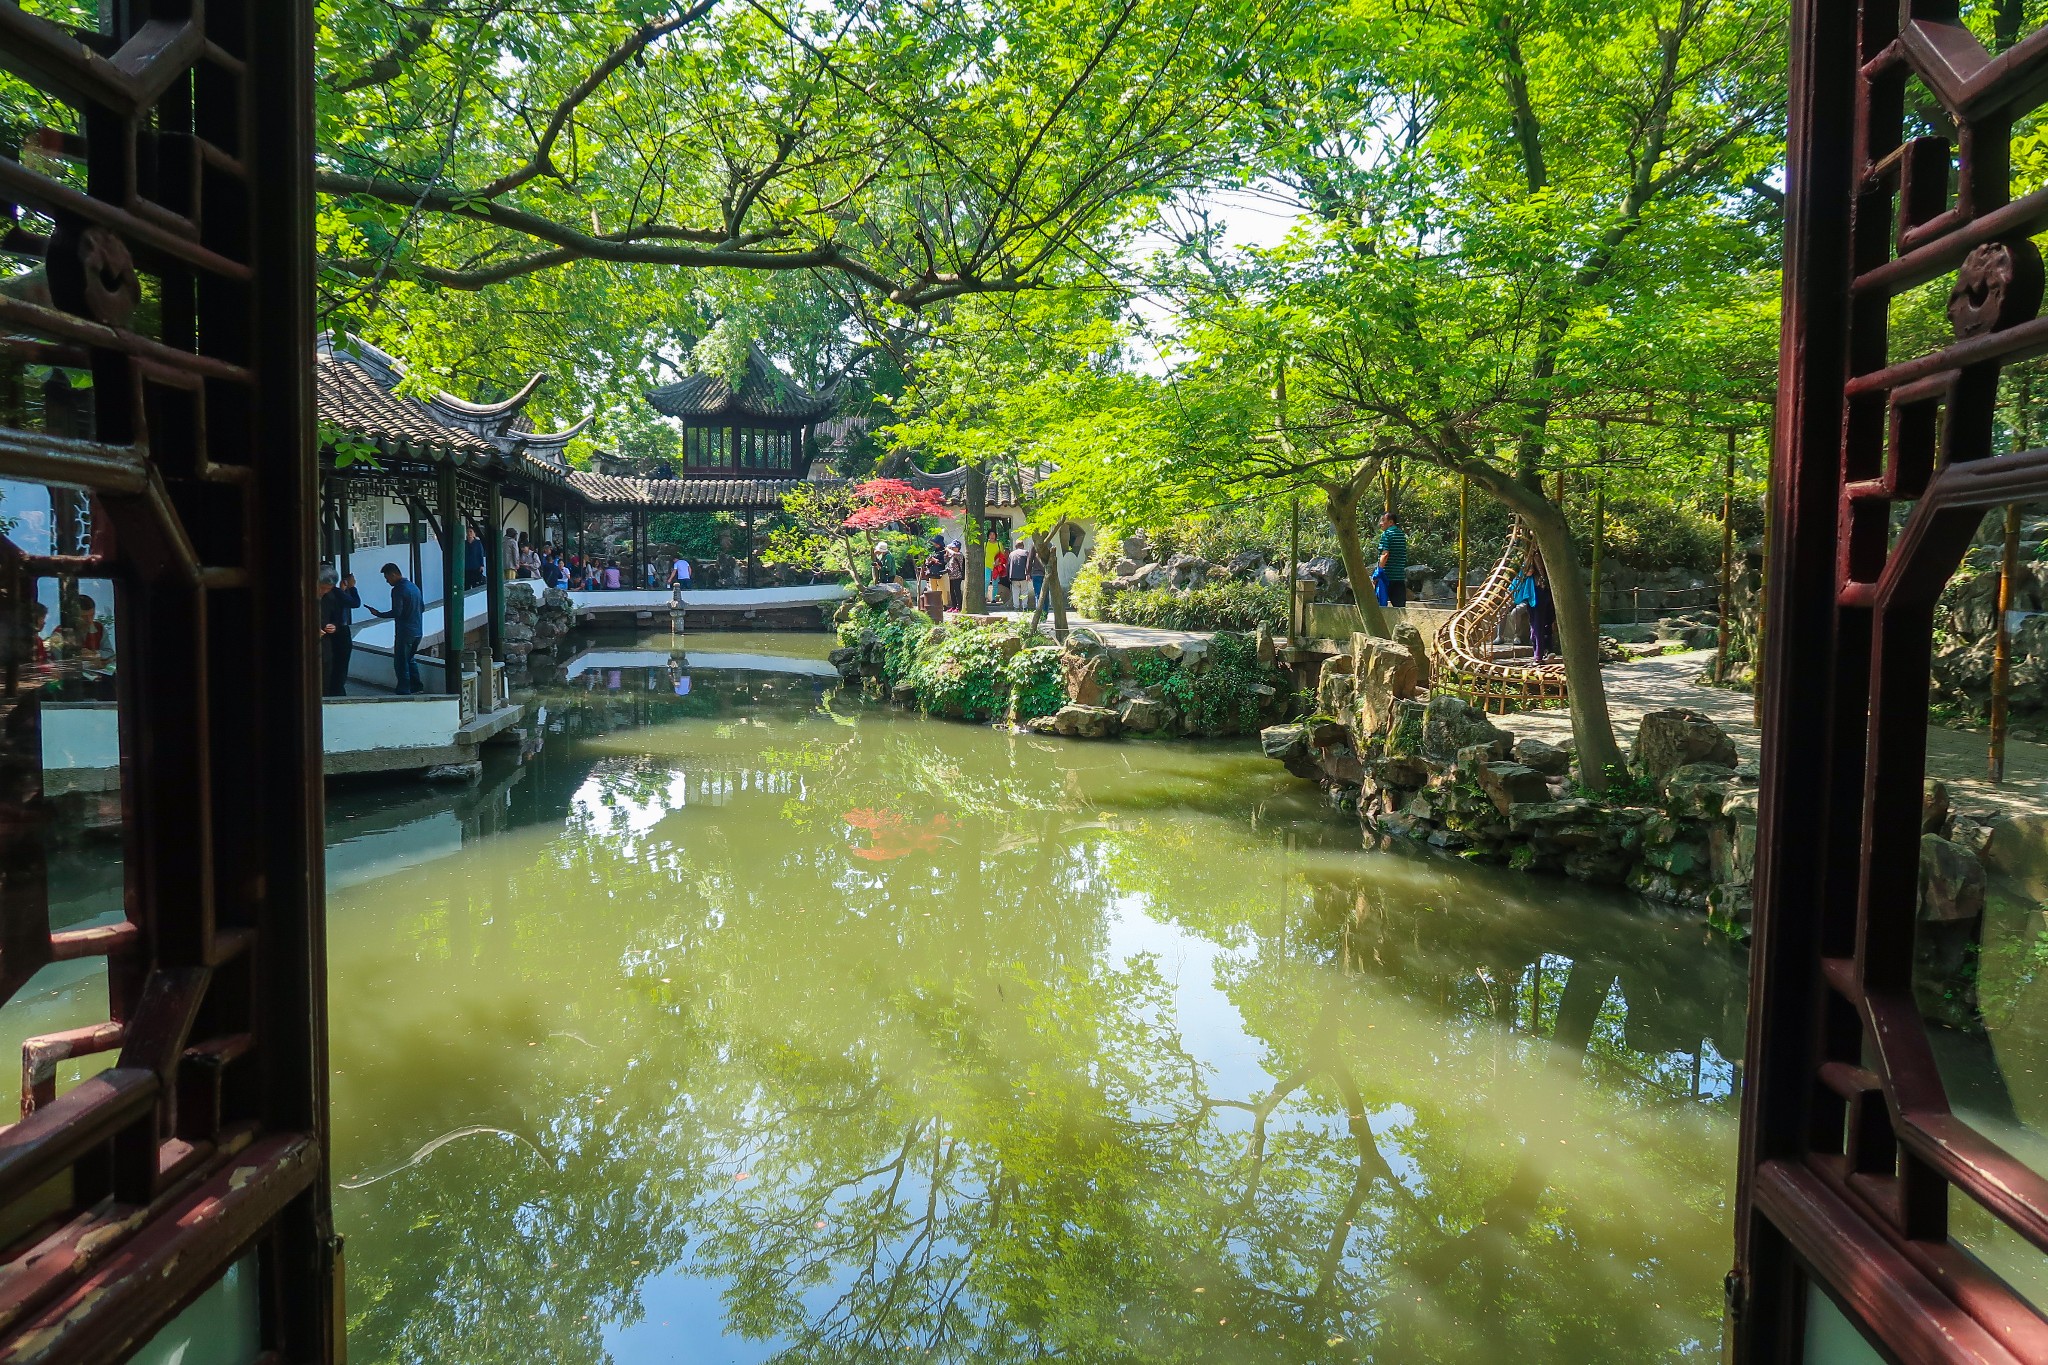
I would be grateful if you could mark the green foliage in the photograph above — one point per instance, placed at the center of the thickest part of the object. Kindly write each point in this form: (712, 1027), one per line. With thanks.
(581, 188)
(699, 536)
(1649, 532)
(348, 450)
(893, 641)
(963, 673)
(1625, 787)
(1036, 686)
(1217, 606)
(1221, 698)
(811, 531)
(638, 434)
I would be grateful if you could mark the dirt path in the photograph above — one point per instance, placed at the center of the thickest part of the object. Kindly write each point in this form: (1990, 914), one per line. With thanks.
(1954, 756)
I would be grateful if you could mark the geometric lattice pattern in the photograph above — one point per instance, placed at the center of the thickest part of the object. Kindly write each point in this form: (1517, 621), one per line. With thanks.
(1885, 465)
(155, 362)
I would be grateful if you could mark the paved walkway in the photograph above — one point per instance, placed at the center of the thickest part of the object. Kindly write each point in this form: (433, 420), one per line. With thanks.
(708, 599)
(1120, 636)
(377, 634)
(1954, 756)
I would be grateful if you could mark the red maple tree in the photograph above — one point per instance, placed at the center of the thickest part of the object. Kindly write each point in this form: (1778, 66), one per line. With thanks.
(880, 504)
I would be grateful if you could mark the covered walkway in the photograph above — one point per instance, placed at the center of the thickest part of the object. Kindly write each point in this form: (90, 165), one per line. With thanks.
(709, 599)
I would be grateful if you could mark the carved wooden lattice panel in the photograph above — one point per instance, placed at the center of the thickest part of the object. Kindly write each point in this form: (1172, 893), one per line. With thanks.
(1854, 1161)
(155, 377)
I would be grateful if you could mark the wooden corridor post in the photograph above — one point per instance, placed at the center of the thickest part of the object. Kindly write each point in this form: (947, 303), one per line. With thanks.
(1727, 561)
(2001, 655)
(494, 573)
(451, 582)
(413, 523)
(1464, 561)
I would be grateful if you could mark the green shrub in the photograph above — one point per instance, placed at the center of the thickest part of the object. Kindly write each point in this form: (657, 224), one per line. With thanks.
(1221, 699)
(896, 639)
(1219, 606)
(1086, 593)
(964, 673)
(1036, 687)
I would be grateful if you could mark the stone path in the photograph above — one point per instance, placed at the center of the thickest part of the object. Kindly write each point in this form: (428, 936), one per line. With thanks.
(1121, 636)
(1954, 756)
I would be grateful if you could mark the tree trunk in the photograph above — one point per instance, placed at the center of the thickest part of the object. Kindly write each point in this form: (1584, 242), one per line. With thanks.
(1578, 636)
(1343, 505)
(974, 541)
(1055, 592)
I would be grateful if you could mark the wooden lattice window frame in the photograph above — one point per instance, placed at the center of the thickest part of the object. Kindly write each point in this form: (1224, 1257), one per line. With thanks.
(1850, 1154)
(128, 1195)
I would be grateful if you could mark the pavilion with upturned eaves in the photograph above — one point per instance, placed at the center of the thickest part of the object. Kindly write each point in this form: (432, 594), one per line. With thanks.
(761, 429)
(402, 475)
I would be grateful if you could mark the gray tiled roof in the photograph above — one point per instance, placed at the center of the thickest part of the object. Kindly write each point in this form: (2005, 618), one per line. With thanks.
(764, 392)
(1003, 491)
(350, 399)
(355, 383)
(735, 494)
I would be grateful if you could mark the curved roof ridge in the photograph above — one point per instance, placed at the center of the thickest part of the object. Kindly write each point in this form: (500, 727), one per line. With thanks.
(542, 438)
(765, 391)
(507, 408)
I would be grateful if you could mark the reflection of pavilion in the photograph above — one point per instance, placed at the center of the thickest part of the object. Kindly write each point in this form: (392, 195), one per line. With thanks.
(401, 473)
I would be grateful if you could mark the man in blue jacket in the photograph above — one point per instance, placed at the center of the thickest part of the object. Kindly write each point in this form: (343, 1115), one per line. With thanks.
(406, 616)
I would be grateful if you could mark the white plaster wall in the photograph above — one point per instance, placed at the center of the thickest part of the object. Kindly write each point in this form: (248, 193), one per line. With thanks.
(366, 562)
(371, 665)
(87, 736)
(950, 527)
(355, 725)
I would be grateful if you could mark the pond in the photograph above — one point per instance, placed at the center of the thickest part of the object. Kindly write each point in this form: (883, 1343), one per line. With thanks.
(746, 1021)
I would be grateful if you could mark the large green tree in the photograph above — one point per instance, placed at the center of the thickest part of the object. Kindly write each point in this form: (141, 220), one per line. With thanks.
(491, 171)
(1522, 224)
(1568, 186)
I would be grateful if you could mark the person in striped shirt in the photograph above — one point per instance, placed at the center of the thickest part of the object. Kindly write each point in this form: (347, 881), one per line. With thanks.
(1393, 549)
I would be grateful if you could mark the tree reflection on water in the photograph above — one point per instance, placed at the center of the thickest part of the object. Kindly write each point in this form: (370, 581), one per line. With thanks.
(1124, 1053)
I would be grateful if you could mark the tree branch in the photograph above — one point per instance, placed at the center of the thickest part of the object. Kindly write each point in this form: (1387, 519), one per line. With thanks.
(391, 62)
(642, 38)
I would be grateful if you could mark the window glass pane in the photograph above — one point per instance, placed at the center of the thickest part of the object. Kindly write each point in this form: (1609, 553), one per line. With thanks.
(222, 1327)
(1830, 1340)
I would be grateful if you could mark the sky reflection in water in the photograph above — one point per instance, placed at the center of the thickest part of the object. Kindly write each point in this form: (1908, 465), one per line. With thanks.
(770, 1026)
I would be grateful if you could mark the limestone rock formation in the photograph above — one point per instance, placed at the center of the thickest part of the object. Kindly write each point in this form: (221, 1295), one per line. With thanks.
(1677, 736)
(1087, 722)
(1145, 715)
(1288, 746)
(1547, 759)
(1511, 784)
(1951, 882)
(1449, 724)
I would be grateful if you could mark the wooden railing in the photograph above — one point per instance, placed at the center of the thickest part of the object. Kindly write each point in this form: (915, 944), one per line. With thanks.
(1465, 647)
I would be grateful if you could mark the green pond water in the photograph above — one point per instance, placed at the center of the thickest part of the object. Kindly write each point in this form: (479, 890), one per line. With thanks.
(749, 1022)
